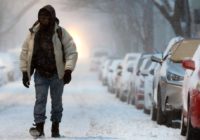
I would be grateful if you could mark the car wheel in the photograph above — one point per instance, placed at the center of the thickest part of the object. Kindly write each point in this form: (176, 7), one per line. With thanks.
(130, 100)
(183, 127)
(160, 117)
(153, 113)
(192, 133)
(146, 111)
(122, 97)
(117, 94)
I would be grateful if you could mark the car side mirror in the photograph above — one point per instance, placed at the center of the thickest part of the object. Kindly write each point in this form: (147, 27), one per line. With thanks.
(188, 64)
(156, 59)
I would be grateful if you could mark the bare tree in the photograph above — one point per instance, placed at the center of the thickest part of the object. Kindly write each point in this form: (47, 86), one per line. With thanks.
(176, 15)
(19, 13)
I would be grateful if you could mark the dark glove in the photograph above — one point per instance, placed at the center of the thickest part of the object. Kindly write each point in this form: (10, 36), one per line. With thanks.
(67, 76)
(25, 79)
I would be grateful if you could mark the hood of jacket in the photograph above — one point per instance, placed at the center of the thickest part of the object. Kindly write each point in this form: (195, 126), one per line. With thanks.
(52, 12)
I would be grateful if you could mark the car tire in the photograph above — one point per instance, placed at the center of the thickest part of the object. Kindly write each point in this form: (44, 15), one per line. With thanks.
(117, 94)
(122, 97)
(153, 113)
(160, 117)
(192, 133)
(146, 111)
(183, 127)
(131, 101)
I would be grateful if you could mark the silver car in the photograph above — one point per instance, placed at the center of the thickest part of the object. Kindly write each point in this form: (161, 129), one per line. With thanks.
(169, 99)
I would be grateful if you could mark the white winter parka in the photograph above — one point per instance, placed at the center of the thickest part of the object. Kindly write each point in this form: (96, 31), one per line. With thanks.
(70, 52)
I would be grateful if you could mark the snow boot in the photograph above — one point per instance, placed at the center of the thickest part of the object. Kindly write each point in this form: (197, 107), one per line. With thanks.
(55, 130)
(38, 130)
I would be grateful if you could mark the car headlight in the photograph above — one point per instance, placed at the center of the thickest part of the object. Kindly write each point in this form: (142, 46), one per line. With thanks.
(174, 77)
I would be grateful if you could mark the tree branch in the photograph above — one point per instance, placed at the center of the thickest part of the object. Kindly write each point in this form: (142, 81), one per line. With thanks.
(18, 17)
(163, 10)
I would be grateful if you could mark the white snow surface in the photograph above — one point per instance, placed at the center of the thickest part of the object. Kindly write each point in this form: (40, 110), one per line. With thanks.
(90, 113)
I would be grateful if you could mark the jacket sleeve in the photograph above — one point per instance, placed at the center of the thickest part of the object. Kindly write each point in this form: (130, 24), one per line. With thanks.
(24, 55)
(70, 52)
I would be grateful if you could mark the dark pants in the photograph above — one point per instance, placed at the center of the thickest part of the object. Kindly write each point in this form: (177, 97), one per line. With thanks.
(42, 86)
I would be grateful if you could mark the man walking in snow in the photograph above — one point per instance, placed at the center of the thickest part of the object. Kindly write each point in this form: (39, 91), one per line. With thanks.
(50, 53)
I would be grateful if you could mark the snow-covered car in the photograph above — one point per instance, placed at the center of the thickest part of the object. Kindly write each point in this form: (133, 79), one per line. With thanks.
(190, 120)
(124, 81)
(105, 71)
(117, 83)
(171, 77)
(133, 81)
(148, 85)
(96, 57)
(3, 77)
(8, 67)
(158, 59)
(143, 64)
(112, 74)
(100, 67)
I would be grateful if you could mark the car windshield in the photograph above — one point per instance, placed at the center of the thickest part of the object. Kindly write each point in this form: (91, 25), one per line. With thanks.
(184, 49)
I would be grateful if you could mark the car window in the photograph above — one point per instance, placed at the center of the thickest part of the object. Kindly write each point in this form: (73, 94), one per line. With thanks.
(148, 64)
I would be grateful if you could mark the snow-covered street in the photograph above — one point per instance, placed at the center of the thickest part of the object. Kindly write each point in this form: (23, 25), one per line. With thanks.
(90, 113)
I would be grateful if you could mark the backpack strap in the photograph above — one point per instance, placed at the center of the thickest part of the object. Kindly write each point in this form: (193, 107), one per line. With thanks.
(59, 32)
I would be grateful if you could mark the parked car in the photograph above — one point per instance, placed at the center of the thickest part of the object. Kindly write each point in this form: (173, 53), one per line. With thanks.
(148, 86)
(160, 59)
(105, 71)
(117, 84)
(143, 64)
(124, 80)
(8, 72)
(112, 73)
(3, 77)
(100, 67)
(135, 81)
(96, 56)
(127, 68)
(190, 120)
(171, 75)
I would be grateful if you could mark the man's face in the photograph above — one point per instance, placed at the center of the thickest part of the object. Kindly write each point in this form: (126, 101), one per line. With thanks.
(44, 20)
